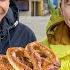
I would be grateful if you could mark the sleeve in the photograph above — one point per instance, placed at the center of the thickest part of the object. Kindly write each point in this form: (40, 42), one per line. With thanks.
(32, 37)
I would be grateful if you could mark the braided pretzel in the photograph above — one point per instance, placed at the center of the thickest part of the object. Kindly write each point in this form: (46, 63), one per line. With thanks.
(21, 59)
(18, 59)
(48, 58)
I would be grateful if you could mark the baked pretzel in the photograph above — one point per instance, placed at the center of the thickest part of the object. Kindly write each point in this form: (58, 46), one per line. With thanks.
(49, 61)
(18, 59)
(4, 63)
(21, 59)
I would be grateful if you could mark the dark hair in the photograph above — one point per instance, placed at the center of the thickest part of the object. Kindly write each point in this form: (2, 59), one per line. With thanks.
(12, 2)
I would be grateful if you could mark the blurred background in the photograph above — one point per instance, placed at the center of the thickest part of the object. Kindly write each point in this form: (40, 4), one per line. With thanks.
(35, 14)
(33, 7)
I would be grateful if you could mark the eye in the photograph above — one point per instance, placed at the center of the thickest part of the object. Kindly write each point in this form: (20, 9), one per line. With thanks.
(67, 2)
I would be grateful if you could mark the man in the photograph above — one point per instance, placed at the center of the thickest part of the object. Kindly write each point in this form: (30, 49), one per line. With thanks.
(12, 33)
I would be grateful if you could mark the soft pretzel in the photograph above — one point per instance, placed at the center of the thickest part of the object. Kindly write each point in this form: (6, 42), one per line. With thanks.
(18, 59)
(48, 58)
(21, 59)
(4, 63)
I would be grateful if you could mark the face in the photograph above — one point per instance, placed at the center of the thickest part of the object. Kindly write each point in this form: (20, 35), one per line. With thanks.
(4, 6)
(65, 10)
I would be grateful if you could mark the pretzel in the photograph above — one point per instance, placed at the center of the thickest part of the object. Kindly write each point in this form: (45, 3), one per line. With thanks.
(18, 59)
(48, 58)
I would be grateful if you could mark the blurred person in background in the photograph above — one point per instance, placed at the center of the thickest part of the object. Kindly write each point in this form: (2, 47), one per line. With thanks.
(12, 32)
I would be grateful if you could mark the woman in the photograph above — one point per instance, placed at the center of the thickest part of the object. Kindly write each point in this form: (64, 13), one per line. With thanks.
(12, 33)
(58, 34)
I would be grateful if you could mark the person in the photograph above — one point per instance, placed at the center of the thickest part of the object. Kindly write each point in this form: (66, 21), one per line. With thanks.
(12, 32)
(58, 34)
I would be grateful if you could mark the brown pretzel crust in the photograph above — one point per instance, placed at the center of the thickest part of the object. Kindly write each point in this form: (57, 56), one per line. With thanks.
(4, 63)
(17, 58)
